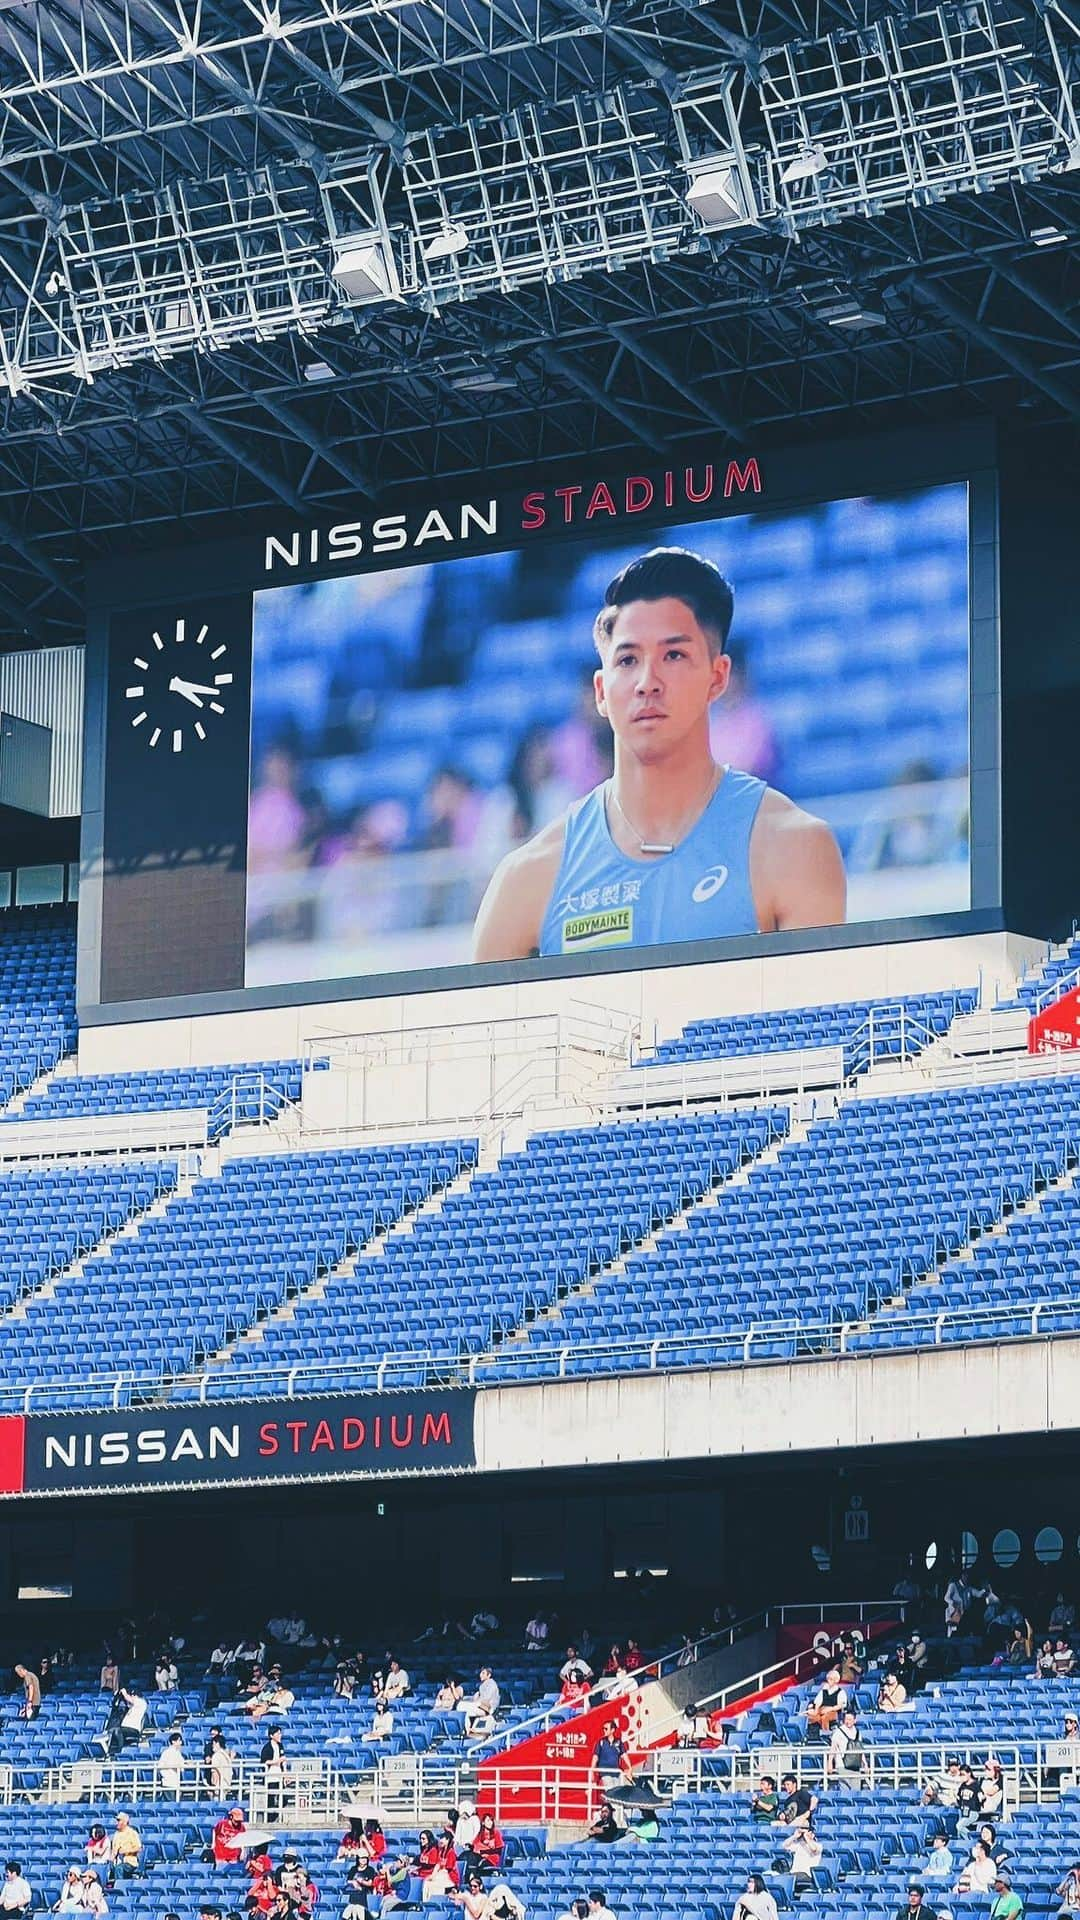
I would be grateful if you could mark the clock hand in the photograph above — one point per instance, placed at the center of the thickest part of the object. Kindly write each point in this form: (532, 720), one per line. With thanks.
(185, 690)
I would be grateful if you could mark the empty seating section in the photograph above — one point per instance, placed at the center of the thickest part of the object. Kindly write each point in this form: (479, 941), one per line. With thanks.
(233, 1094)
(867, 1030)
(1015, 1138)
(835, 1226)
(217, 1258)
(1058, 974)
(51, 1216)
(37, 993)
(540, 1224)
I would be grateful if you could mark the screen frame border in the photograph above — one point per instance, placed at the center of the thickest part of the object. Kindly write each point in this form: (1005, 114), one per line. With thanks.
(793, 477)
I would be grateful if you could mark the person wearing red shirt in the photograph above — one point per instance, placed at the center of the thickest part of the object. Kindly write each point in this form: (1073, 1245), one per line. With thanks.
(488, 1847)
(229, 1838)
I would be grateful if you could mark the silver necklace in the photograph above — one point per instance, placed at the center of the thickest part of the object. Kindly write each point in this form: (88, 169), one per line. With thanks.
(661, 846)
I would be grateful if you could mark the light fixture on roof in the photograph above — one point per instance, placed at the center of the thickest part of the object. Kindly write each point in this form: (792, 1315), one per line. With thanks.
(850, 314)
(1048, 236)
(807, 165)
(717, 193)
(484, 380)
(364, 269)
(447, 244)
(316, 370)
(55, 284)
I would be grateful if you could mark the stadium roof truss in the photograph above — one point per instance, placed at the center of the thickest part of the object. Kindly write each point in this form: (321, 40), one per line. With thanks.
(259, 252)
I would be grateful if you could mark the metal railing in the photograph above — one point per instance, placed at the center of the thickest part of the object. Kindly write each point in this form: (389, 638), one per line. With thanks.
(410, 1790)
(524, 1367)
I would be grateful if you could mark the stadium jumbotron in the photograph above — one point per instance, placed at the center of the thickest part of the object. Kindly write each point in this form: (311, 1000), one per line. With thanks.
(539, 959)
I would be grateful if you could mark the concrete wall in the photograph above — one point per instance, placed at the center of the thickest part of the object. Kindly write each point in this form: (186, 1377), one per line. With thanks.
(661, 999)
(875, 1400)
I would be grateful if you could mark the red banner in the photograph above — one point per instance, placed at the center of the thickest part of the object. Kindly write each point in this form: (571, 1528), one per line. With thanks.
(1057, 1027)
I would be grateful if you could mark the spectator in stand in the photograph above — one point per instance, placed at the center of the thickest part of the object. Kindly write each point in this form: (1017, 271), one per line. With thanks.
(1068, 1890)
(446, 1873)
(1044, 1661)
(92, 1893)
(942, 1792)
(577, 1910)
(98, 1851)
(536, 1634)
(420, 1868)
(480, 1711)
(805, 1854)
(127, 1732)
(69, 1899)
(229, 1841)
(1017, 1652)
(1064, 1658)
(941, 1862)
(274, 1697)
(166, 1675)
(574, 1691)
(635, 1659)
(957, 1600)
(598, 1906)
(918, 1661)
(694, 1729)
(449, 1696)
(916, 1904)
(273, 1761)
(979, 1871)
(462, 1826)
(846, 1760)
(852, 1661)
(610, 1762)
(992, 1791)
(614, 1661)
(474, 1901)
(170, 1764)
(755, 1902)
(828, 1703)
(110, 1674)
(489, 1846)
(688, 1652)
(576, 1665)
(125, 1848)
(31, 1692)
(483, 1624)
(764, 1801)
(1062, 1616)
(797, 1804)
(606, 1828)
(892, 1695)
(16, 1897)
(618, 1687)
(382, 1721)
(396, 1684)
(219, 1763)
(1007, 1902)
(968, 1805)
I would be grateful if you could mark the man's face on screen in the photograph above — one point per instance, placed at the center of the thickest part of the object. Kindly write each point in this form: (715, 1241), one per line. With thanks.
(658, 677)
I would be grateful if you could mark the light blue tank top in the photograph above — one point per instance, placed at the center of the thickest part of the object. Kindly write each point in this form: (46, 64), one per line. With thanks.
(701, 891)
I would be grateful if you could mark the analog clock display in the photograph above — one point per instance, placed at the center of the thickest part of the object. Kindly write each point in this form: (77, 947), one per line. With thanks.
(180, 681)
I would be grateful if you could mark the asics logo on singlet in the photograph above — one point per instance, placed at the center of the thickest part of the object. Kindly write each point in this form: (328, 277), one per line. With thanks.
(711, 882)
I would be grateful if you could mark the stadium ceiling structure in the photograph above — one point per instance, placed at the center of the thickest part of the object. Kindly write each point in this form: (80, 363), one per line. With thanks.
(283, 254)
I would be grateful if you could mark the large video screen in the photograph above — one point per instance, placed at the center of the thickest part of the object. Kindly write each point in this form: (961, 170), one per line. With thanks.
(728, 727)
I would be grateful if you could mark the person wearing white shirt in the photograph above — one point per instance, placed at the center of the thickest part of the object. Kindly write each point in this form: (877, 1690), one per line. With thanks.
(382, 1721)
(536, 1634)
(756, 1902)
(480, 1711)
(15, 1894)
(396, 1684)
(466, 1828)
(171, 1763)
(575, 1664)
(598, 1906)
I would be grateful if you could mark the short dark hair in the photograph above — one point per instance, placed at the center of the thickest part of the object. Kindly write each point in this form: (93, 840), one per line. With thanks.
(13, 1866)
(598, 1894)
(672, 573)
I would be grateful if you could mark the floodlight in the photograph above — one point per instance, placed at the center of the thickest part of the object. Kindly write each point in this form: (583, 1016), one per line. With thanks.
(805, 166)
(364, 269)
(717, 196)
(445, 245)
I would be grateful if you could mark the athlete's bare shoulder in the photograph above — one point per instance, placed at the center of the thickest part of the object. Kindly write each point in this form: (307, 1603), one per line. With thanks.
(796, 869)
(513, 907)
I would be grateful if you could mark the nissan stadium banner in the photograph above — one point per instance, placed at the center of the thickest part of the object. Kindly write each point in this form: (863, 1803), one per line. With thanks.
(586, 724)
(238, 1443)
